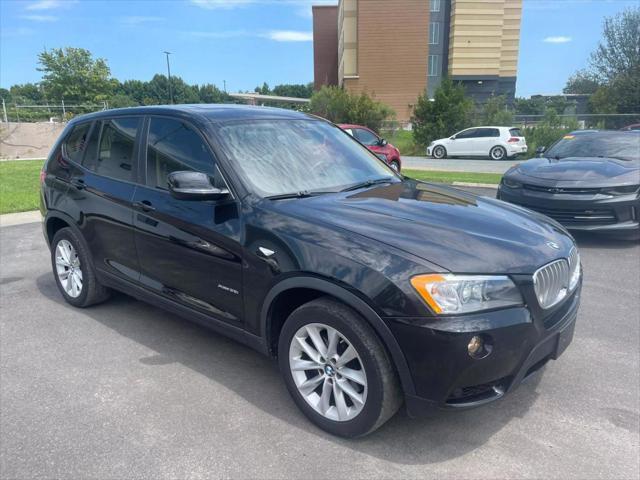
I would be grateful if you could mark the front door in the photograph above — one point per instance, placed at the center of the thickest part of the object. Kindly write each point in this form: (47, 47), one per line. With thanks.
(463, 143)
(188, 250)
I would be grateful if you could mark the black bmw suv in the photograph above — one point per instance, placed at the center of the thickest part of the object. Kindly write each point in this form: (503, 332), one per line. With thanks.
(282, 231)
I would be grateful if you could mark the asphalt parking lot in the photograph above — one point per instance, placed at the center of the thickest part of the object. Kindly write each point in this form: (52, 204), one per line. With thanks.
(124, 390)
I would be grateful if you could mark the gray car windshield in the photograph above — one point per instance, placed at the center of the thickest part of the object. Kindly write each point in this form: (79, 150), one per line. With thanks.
(620, 145)
(279, 157)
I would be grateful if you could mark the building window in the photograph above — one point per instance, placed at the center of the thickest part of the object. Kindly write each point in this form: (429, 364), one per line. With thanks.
(434, 33)
(434, 65)
(435, 5)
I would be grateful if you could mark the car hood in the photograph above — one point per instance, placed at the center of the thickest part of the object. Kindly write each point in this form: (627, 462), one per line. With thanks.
(458, 231)
(583, 171)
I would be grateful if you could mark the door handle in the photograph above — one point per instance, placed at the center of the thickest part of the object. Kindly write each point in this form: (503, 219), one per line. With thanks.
(144, 205)
(78, 183)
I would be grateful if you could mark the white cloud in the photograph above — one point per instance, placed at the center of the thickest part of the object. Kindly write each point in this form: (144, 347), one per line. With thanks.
(40, 18)
(139, 19)
(227, 4)
(49, 4)
(290, 36)
(559, 39)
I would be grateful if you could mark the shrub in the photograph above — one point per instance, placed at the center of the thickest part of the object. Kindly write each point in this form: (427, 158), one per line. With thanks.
(339, 106)
(448, 112)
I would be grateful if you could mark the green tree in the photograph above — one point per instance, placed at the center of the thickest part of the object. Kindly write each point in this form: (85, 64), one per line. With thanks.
(73, 75)
(449, 111)
(618, 53)
(294, 90)
(581, 82)
(27, 93)
(264, 90)
(496, 112)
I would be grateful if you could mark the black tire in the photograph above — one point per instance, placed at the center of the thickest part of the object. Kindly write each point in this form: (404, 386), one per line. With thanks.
(395, 166)
(92, 292)
(439, 152)
(384, 394)
(498, 153)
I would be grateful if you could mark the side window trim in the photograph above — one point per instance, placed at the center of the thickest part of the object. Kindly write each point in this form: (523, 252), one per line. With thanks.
(145, 147)
(63, 145)
(135, 175)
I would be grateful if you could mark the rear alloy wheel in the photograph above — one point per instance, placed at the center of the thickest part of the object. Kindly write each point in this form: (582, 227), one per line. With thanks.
(336, 369)
(439, 152)
(73, 270)
(497, 153)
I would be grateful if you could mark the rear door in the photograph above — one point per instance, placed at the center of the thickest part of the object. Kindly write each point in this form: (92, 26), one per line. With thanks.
(484, 140)
(101, 193)
(189, 250)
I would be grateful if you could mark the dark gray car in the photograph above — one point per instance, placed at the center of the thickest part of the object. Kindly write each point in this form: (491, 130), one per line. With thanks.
(587, 180)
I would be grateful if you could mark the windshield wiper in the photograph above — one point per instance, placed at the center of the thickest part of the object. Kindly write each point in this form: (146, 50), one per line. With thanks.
(300, 194)
(367, 183)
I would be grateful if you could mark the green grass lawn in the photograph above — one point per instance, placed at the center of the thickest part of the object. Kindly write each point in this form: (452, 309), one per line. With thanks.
(403, 140)
(450, 177)
(19, 185)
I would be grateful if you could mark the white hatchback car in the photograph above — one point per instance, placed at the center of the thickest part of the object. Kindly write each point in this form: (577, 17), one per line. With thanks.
(497, 143)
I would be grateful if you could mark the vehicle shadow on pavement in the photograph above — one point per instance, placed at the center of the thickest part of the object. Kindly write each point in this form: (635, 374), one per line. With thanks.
(256, 379)
(591, 240)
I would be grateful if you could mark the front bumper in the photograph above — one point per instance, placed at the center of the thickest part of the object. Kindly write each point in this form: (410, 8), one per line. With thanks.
(523, 339)
(595, 213)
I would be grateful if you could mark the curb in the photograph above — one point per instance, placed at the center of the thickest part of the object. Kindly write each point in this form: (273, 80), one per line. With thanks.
(20, 218)
(470, 184)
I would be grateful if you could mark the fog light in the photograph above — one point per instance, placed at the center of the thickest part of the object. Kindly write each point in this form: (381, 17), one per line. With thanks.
(476, 346)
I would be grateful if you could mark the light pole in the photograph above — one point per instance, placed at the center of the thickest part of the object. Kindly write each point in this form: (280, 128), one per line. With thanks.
(169, 77)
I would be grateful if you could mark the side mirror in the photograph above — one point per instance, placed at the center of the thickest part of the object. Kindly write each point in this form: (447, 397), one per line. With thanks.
(383, 142)
(194, 186)
(452, 137)
(541, 150)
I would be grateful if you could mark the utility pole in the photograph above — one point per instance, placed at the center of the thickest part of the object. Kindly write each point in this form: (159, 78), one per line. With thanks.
(169, 77)
(224, 82)
(4, 112)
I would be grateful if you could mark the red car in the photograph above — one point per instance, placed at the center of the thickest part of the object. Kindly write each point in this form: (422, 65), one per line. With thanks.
(376, 144)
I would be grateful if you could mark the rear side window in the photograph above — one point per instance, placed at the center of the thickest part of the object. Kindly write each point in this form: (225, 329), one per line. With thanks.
(115, 154)
(173, 146)
(365, 137)
(515, 132)
(76, 143)
(487, 132)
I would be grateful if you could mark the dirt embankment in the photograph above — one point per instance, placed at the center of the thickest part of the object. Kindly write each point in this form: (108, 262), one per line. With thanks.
(28, 140)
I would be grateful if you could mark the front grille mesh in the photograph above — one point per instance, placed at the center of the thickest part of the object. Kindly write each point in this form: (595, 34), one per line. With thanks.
(551, 282)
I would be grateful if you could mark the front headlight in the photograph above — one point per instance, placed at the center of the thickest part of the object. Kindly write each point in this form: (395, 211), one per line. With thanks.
(506, 181)
(574, 268)
(625, 190)
(456, 294)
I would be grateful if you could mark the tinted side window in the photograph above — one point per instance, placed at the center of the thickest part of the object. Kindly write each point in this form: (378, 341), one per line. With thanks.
(468, 133)
(365, 136)
(488, 132)
(115, 155)
(173, 146)
(76, 142)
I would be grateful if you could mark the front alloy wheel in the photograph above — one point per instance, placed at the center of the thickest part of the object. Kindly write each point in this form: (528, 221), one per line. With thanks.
(439, 152)
(328, 372)
(336, 369)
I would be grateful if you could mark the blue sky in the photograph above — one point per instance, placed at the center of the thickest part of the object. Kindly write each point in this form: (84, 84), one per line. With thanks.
(246, 42)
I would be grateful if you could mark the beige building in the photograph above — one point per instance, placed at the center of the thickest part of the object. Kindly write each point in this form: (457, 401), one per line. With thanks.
(397, 49)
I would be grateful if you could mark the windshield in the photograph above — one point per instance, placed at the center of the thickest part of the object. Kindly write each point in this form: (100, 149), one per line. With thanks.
(624, 146)
(290, 156)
